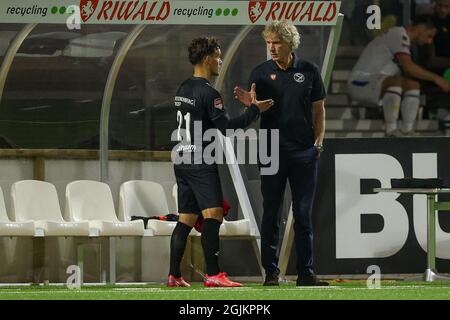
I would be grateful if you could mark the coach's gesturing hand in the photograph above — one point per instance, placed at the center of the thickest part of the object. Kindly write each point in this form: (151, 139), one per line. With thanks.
(243, 96)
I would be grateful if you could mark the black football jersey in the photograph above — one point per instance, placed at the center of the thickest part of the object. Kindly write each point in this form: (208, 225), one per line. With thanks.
(199, 107)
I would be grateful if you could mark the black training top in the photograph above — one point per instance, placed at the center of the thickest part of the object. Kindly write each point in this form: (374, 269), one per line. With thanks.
(200, 107)
(293, 91)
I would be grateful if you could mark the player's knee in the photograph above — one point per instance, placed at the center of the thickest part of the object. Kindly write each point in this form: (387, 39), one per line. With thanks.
(389, 82)
(410, 85)
(395, 81)
(188, 219)
(213, 213)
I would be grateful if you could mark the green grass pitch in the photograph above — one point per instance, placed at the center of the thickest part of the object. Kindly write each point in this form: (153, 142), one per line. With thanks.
(352, 290)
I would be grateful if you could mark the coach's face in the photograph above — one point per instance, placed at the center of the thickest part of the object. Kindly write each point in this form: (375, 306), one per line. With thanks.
(278, 49)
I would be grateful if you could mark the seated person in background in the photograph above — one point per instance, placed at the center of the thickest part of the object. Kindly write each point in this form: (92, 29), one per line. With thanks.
(436, 56)
(386, 72)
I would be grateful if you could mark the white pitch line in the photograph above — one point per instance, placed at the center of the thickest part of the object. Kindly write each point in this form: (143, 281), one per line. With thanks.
(137, 289)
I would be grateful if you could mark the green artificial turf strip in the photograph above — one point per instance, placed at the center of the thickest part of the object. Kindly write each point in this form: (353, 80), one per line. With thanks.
(337, 291)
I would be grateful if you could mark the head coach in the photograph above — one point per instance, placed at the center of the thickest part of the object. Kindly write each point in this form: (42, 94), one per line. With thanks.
(298, 113)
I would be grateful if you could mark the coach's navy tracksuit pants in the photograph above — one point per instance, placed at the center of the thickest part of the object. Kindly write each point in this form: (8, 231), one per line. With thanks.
(300, 168)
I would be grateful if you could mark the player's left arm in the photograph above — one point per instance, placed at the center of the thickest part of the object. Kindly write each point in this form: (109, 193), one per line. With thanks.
(219, 116)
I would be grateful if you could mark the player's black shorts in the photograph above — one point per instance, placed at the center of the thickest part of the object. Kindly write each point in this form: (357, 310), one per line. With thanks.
(198, 189)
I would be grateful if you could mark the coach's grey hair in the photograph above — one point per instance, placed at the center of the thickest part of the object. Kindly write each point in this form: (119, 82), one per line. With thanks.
(286, 30)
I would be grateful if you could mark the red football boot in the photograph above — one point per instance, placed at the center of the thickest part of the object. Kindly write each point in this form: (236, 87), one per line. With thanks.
(220, 280)
(177, 282)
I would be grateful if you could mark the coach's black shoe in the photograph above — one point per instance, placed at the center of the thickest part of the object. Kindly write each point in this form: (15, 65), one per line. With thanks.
(272, 279)
(310, 281)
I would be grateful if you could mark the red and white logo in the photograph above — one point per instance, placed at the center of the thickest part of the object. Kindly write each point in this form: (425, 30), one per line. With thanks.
(218, 104)
(87, 8)
(273, 77)
(256, 9)
(125, 10)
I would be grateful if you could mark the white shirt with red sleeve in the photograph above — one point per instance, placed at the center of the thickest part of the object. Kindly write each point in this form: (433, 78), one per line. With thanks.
(380, 55)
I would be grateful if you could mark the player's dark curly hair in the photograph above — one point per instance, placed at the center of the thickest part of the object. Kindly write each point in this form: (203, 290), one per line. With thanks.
(202, 47)
(426, 20)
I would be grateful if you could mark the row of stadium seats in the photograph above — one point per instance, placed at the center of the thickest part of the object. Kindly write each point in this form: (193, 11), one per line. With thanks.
(35, 210)
(90, 215)
(89, 211)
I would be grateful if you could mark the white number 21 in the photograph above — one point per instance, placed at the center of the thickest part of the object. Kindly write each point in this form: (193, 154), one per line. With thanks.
(187, 118)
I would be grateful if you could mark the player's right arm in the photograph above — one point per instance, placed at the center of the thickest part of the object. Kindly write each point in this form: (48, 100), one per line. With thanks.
(414, 70)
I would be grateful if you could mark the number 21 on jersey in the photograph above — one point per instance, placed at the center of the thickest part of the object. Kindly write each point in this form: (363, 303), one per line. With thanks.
(187, 119)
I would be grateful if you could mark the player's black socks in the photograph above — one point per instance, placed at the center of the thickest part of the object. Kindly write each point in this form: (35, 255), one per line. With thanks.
(210, 244)
(177, 246)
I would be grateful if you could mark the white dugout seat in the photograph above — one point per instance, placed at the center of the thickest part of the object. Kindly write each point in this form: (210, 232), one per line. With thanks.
(146, 199)
(37, 201)
(92, 201)
(237, 228)
(12, 228)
